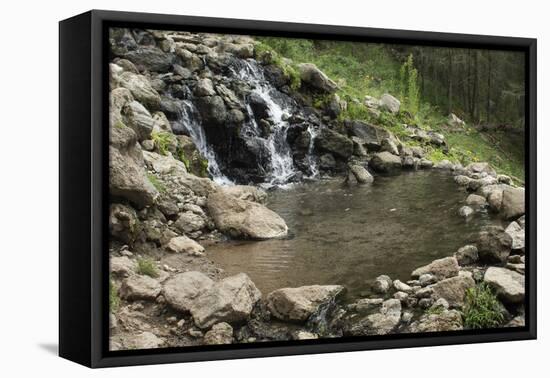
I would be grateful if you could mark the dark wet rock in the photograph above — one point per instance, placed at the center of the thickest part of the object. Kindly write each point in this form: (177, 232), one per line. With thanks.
(371, 136)
(494, 245)
(123, 223)
(467, 255)
(331, 141)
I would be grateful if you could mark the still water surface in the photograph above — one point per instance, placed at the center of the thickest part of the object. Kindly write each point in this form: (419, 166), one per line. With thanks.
(349, 235)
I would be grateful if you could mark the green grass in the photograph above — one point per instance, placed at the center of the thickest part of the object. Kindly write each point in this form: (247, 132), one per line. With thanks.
(482, 309)
(147, 267)
(156, 182)
(163, 140)
(362, 69)
(114, 300)
(435, 310)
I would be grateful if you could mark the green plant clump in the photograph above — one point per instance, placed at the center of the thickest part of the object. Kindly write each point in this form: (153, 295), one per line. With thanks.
(156, 182)
(162, 141)
(482, 309)
(114, 300)
(147, 267)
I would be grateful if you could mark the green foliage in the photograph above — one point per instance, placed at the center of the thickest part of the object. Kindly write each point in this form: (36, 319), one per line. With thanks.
(147, 267)
(114, 300)
(410, 93)
(438, 310)
(119, 124)
(482, 309)
(268, 54)
(156, 182)
(163, 140)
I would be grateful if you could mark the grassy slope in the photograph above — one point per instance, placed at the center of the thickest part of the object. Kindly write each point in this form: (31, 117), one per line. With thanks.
(369, 69)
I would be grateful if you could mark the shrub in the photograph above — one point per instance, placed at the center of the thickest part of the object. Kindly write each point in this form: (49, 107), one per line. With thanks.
(147, 267)
(482, 309)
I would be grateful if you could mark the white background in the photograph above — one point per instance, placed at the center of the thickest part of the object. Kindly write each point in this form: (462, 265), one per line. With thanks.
(29, 186)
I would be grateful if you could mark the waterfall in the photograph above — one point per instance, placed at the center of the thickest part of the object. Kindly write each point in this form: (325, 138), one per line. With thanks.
(281, 163)
(310, 157)
(190, 121)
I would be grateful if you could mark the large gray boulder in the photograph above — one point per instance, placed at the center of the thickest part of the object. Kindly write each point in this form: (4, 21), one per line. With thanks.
(453, 289)
(231, 300)
(316, 79)
(139, 287)
(331, 141)
(181, 290)
(513, 203)
(127, 178)
(139, 119)
(385, 162)
(390, 103)
(508, 285)
(440, 268)
(494, 245)
(368, 135)
(244, 219)
(141, 89)
(148, 58)
(298, 304)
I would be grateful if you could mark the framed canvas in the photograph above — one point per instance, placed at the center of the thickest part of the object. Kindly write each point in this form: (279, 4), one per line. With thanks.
(235, 188)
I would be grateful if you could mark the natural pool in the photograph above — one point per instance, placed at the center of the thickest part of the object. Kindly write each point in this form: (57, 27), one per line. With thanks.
(348, 235)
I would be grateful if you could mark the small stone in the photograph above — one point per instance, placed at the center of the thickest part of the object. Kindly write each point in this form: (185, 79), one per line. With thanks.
(220, 333)
(382, 284)
(401, 296)
(400, 286)
(194, 332)
(425, 302)
(427, 279)
(465, 211)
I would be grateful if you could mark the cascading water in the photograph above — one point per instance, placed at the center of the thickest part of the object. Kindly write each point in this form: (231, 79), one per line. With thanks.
(190, 121)
(310, 157)
(281, 163)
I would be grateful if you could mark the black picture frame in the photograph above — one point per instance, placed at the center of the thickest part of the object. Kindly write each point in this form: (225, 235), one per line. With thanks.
(83, 196)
